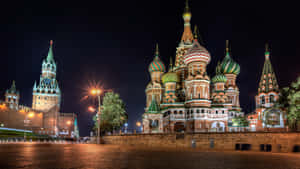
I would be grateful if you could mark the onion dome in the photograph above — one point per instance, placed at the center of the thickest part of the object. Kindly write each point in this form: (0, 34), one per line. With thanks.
(196, 53)
(228, 65)
(170, 76)
(219, 77)
(157, 65)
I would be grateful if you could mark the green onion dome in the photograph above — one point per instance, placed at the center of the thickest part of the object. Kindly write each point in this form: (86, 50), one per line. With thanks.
(157, 65)
(170, 77)
(229, 66)
(219, 78)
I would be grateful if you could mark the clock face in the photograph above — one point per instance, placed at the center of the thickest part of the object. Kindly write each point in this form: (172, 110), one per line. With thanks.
(47, 81)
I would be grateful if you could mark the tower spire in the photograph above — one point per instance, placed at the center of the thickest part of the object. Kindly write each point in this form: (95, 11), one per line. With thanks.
(50, 52)
(227, 47)
(156, 50)
(267, 53)
(187, 35)
(196, 32)
(171, 64)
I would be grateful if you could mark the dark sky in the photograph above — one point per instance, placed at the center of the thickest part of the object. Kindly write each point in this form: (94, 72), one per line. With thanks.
(113, 42)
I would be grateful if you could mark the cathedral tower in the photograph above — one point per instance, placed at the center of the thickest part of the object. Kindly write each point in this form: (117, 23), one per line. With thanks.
(197, 92)
(46, 94)
(268, 89)
(12, 96)
(156, 69)
(231, 70)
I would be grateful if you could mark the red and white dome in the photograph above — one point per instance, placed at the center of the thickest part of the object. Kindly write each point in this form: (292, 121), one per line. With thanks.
(196, 53)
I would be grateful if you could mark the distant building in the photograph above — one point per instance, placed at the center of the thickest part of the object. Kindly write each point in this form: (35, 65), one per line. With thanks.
(185, 98)
(44, 117)
(265, 115)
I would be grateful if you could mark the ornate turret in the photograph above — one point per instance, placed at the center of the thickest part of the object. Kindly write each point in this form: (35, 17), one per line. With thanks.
(187, 36)
(219, 77)
(170, 81)
(12, 96)
(46, 93)
(228, 65)
(156, 65)
(154, 107)
(268, 80)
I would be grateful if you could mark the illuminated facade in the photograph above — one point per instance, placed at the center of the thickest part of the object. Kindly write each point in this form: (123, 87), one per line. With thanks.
(45, 111)
(185, 98)
(265, 116)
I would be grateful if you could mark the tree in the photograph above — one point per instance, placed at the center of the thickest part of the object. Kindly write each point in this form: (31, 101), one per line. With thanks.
(293, 105)
(240, 121)
(113, 113)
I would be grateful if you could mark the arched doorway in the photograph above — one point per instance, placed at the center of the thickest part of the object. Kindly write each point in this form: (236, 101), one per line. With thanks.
(219, 126)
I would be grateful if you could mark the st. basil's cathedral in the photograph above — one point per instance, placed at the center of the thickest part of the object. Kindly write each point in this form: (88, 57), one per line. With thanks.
(185, 98)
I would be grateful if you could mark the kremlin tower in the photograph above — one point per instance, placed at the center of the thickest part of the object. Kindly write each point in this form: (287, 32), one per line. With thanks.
(46, 94)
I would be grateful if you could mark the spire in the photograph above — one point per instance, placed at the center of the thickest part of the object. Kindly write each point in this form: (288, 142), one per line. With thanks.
(187, 8)
(187, 35)
(171, 64)
(50, 52)
(156, 50)
(267, 53)
(153, 107)
(227, 48)
(268, 81)
(13, 88)
(195, 32)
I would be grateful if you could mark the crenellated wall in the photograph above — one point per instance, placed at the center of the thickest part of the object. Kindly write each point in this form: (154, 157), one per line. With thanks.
(279, 142)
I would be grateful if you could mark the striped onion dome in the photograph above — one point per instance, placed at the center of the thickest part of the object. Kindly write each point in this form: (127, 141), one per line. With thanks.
(219, 77)
(229, 66)
(170, 77)
(196, 53)
(157, 65)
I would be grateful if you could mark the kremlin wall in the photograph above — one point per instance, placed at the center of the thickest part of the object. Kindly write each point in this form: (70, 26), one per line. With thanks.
(247, 141)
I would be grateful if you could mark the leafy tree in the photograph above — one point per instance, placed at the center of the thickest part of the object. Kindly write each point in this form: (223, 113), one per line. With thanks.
(293, 103)
(113, 113)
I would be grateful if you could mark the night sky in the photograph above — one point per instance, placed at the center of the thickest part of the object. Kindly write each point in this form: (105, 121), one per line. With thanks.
(113, 42)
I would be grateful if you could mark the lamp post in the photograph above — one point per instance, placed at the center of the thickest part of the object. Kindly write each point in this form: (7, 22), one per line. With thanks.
(138, 124)
(97, 92)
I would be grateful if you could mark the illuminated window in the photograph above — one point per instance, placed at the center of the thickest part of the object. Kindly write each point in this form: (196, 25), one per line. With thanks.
(262, 100)
(272, 99)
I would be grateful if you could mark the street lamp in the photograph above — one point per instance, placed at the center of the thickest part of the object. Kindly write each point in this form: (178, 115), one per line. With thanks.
(29, 115)
(138, 124)
(97, 92)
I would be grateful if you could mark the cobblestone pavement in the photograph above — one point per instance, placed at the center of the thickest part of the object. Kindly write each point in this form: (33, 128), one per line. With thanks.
(85, 156)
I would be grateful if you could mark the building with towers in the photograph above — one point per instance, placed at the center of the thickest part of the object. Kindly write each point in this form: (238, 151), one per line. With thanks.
(265, 115)
(185, 98)
(44, 117)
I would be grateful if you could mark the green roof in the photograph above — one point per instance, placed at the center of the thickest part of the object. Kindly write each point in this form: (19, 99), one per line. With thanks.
(154, 107)
(50, 56)
(228, 65)
(268, 77)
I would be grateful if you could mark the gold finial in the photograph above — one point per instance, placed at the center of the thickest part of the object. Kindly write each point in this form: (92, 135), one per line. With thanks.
(187, 6)
(171, 64)
(156, 50)
(267, 47)
(196, 32)
(227, 46)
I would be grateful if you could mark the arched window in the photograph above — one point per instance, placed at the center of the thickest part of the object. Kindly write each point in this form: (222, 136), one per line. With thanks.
(202, 111)
(175, 112)
(180, 112)
(198, 111)
(262, 100)
(223, 111)
(216, 111)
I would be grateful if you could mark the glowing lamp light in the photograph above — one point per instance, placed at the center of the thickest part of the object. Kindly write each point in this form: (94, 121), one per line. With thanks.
(31, 114)
(95, 92)
(69, 122)
(126, 124)
(138, 124)
(91, 109)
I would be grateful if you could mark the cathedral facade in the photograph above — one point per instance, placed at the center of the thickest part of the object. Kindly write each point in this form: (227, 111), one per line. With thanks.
(185, 97)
